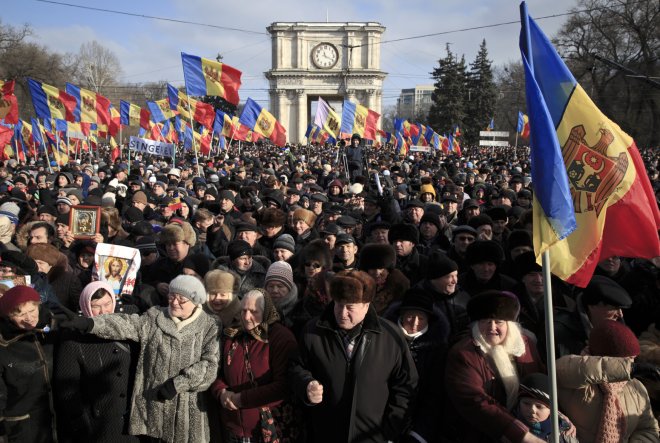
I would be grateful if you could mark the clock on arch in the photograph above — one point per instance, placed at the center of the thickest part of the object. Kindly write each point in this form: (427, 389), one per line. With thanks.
(325, 55)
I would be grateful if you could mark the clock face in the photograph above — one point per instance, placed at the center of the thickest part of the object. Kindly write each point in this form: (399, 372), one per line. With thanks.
(325, 55)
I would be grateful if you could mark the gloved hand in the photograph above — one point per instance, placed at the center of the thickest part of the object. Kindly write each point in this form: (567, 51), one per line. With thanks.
(167, 391)
(257, 204)
(80, 324)
(645, 370)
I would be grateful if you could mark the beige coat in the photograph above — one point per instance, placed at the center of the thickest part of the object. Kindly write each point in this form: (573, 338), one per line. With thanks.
(581, 399)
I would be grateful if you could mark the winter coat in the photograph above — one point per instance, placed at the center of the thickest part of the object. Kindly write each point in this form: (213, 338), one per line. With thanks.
(454, 306)
(268, 361)
(26, 366)
(478, 396)
(582, 401)
(649, 344)
(365, 399)
(395, 286)
(93, 381)
(469, 283)
(413, 266)
(186, 352)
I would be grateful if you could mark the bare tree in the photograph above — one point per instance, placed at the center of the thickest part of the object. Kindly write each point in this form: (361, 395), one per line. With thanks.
(97, 66)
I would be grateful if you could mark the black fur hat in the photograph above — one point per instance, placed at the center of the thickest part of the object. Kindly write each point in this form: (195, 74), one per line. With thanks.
(377, 256)
(316, 250)
(498, 305)
(484, 250)
(403, 231)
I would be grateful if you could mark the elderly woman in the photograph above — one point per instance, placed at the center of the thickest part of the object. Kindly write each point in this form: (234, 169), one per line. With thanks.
(26, 361)
(598, 393)
(255, 353)
(222, 290)
(178, 361)
(484, 370)
(280, 287)
(93, 378)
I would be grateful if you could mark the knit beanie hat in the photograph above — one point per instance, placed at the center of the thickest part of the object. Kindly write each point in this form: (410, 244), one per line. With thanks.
(305, 215)
(498, 305)
(431, 218)
(285, 241)
(218, 280)
(11, 211)
(352, 287)
(140, 197)
(44, 252)
(427, 189)
(280, 271)
(87, 293)
(190, 287)
(440, 265)
(377, 256)
(238, 248)
(17, 296)
(613, 339)
(198, 263)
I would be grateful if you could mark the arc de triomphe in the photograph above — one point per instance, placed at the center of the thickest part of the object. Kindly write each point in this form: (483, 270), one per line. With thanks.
(336, 61)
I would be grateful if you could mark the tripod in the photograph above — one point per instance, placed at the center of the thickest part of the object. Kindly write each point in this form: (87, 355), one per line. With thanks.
(344, 161)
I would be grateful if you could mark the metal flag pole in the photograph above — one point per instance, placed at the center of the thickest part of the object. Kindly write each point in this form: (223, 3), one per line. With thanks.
(57, 141)
(43, 137)
(547, 285)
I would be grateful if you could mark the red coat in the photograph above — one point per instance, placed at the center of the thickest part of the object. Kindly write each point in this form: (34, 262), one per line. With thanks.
(478, 395)
(269, 363)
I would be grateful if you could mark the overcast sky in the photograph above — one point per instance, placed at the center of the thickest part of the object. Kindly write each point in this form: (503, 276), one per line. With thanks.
(149, 50)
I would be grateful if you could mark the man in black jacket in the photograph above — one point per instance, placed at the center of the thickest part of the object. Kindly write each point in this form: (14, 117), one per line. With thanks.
(354, 370)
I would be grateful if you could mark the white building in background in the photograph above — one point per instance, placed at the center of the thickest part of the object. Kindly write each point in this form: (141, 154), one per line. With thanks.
(414, 101)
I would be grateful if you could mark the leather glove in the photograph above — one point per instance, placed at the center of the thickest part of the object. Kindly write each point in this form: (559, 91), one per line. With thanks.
(256, 201)
(80, 324)
(167, 391)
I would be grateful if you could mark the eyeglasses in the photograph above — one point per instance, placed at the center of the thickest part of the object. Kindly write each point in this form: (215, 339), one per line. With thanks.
(313, 265)
(179, 299)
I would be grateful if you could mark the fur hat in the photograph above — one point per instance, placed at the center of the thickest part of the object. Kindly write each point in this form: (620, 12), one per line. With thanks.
(316, 250)
(376, 256)
(285, 241)
(198, 263)
(480, 220)
(417, 299)
(87, 293)
(526, 263)
(440, 265)
(272, 217)
(219, 280)
(178, 232)
(403, 231)
(190, 287)
(45, 252)
(431, 218)
(17, 296)
(305, 215)
(613, 339)
(280, 271)
(484, 250)
(519, 237)
(238, 248)
(352, 287)
(498, 305)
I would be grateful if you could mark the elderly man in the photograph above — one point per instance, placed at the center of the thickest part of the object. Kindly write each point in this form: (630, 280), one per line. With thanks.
(404, 237)
(354, 370)
(484, 371)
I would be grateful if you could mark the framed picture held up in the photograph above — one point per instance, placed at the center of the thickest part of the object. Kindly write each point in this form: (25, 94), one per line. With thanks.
(84, 221)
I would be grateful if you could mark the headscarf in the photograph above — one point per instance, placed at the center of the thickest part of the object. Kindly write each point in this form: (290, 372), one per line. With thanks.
(86, 296)
(260, 332)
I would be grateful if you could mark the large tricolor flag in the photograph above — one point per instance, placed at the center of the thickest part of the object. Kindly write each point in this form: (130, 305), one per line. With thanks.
(201, 112)
(327, 118)
(133, 115)
(208, 77)
(523, 125)
(222, 124)
(358, 119)
(90, 106)
(160, 110)
(263, 122)
(50, 102)
(592, 198)
(8, 102)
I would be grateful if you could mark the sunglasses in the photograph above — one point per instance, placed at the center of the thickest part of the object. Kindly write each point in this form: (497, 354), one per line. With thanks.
(313, 265)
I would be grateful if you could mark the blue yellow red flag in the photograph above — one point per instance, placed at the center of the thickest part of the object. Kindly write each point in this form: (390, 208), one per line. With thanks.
(358, 119)
(263, 122)
(90, 106)
(523, 125)
(50, 102)
(160, 110)
(133, 115)
(180, 102)
(208, 77)
(592, 199)
(491, 125)
(8, 102)
(327, 118)
(222, 123)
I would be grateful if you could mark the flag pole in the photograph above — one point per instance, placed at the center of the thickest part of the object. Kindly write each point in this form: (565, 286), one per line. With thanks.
(43, 138)
(59, 158)
(547, 284)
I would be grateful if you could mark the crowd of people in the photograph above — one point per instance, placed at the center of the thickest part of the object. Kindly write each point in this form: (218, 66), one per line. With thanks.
(310, 294)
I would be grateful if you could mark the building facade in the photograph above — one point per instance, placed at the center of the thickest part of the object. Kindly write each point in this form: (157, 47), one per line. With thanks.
(335, 61)
(414, 101)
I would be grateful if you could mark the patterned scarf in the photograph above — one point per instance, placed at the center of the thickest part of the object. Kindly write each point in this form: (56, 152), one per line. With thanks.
(612, 425)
